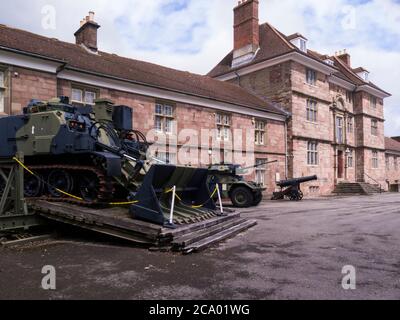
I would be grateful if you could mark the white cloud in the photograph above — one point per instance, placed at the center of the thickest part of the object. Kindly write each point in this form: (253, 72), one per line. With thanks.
(372, 43)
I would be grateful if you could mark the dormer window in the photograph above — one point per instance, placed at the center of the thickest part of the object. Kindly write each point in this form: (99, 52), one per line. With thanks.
(362, 73)
(299, 41)
(330, 62)
(303, 45)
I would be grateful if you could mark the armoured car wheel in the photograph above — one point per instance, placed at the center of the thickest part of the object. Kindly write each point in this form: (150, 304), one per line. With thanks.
(33, 186)
(61, 180)
(257, 198)
(242, 197)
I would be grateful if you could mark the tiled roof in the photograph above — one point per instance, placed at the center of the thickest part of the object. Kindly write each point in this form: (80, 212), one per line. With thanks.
(392, 145)
(273, 43)
(149, 74)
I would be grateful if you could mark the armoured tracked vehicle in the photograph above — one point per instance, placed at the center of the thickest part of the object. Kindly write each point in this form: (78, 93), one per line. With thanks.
(92, 156)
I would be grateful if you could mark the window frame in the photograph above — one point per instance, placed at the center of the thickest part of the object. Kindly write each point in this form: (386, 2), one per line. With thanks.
(350, 125)
(165, 118)
(374, 127)
(223, 122)
(375, 159)
(166, 156)
(84, 91)
(260, 131)
(373, 101)
(260, 172)
(312, 111)
(3, 89)
(311, 80)
(350, 159)
(312, 153)
(339, 129)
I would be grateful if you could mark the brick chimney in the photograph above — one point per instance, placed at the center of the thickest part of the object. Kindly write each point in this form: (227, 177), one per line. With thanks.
(246, 31)
(87, 33)
(345, 57)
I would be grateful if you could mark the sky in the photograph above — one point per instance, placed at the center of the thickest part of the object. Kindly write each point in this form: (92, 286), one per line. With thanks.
(194, 35)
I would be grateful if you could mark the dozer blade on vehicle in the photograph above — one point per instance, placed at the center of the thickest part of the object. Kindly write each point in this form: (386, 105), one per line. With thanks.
(193, 201)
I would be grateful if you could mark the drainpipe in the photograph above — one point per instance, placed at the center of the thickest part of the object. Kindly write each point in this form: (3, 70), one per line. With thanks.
(238, 78)
(286, 149)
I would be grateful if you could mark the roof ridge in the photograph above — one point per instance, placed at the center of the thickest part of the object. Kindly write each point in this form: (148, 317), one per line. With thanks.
(280, 35)
(344, 65)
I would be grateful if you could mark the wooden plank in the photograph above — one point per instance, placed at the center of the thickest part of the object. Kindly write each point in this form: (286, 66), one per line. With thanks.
(92, 217)
(181, 230)
(108, 231)
(226, 234)
(194, 237)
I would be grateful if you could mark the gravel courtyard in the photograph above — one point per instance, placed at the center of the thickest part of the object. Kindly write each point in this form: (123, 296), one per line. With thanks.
(297, 251)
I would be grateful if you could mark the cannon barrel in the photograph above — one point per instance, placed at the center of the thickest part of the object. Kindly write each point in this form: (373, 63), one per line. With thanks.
(293, 182)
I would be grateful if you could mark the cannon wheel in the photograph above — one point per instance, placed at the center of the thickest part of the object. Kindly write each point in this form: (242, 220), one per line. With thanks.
(242, 197)
(296, 196)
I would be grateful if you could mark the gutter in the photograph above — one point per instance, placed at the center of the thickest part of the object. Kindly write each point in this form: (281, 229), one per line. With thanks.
(167, 89)
(64, 66)
(33, 55)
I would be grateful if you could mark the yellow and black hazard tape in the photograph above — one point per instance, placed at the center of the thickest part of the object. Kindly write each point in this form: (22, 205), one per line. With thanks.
(66, 193)
(194, 206)
(111, 203)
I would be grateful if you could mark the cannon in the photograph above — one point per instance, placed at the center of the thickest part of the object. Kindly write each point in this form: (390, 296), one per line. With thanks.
(292, 188)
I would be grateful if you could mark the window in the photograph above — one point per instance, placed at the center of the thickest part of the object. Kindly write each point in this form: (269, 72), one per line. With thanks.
(2, 91)
(260, 132)
(375, 160)
(350, 126)
(314, 189)
(164, 118)
(167, 157)
(260, 171)
(396, 163)
(223, 123)
(311, 77)
(387, 163)
(303, 45)
(349, 96)
(312, 153)
(372, 101)
(350, 159)
(374, 127)
(83, 96)
(312, 111)
(339, 130)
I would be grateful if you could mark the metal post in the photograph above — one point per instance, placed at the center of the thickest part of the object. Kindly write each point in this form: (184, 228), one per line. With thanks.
(171, 215)
(19, 187)
(220, 200)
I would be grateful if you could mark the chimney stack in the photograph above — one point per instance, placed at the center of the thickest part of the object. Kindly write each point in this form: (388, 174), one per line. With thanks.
(87, 33)
(345, 57)
(246, 31)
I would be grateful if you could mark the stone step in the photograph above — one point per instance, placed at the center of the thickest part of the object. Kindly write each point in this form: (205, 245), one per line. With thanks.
(350, 188)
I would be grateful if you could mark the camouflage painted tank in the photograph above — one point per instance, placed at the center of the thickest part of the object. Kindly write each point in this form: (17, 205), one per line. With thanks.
(92, 155)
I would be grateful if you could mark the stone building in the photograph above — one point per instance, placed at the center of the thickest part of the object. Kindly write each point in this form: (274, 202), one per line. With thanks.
(336, 129)
(393, 164)
(191, 119)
